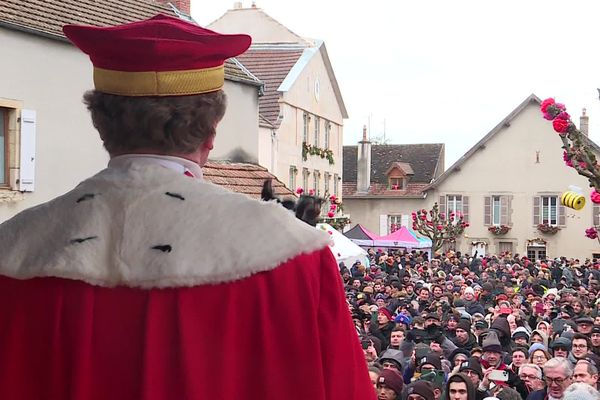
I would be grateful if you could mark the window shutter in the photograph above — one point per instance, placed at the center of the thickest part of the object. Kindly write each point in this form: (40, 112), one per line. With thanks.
(596, 214)
(561, 214)
(536, 210)
(465, 204)
(487, 210)
(442, 204)
(503, 210)
(509, 210)
(27, 155)
(383, 225)
(405, 220)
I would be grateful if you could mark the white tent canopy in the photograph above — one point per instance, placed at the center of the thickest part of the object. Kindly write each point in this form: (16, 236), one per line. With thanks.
(343, 249)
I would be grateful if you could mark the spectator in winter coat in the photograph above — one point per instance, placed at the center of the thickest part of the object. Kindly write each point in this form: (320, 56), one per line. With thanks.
(460, 387)
(558, 375)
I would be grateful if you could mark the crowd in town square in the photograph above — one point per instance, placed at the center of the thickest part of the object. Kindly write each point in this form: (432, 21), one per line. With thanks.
(469, 327)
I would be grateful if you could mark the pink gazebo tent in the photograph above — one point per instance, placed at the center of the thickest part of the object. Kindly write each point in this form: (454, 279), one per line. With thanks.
(400, 238)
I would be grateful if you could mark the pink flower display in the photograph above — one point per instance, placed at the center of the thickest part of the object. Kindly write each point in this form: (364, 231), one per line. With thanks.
(595, 197)
(591, 233)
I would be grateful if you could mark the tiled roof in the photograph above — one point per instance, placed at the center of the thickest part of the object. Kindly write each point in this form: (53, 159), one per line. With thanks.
(381, 189)
(47, 17)
(270, 66)
(423, 159)
(243, 178)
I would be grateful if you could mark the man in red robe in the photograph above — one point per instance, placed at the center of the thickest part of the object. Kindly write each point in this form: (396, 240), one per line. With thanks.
(145, 282)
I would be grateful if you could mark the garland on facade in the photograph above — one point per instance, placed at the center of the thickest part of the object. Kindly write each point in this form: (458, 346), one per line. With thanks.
(335, 214)
(576, 153)
(317, 151)
(499, 229)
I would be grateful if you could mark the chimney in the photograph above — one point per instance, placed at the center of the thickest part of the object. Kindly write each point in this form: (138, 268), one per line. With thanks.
(584, 123)
(254, 4)
(363, 174)
(237, 5)
(181, 5)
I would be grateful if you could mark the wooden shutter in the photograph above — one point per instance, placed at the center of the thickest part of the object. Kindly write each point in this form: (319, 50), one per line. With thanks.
(405, 220)
(487, 210)
(383, 225)
(596, 214)
(536, 210)
(561, 218)
(465, 205)
(442, 204)
(509, 210)
(27, 154)
(503, 210)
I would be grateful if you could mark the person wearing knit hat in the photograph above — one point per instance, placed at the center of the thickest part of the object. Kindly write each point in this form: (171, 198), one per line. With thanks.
(420, 390)
(429, 362)
(472, 368)
(389, 385)
(520, 336)
(464, 337)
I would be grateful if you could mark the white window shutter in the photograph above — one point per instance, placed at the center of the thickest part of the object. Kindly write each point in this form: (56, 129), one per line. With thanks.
(383, 225)
(405, 220)
(27, 156)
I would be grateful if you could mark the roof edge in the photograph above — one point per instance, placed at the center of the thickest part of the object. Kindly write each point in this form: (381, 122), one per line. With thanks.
(532, 98)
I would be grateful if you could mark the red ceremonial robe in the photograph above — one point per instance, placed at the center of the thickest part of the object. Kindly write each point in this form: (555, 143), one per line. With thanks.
(70, 330)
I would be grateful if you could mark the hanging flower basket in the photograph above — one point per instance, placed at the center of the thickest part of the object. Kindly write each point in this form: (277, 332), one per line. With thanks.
(499, 229)
(548, 229)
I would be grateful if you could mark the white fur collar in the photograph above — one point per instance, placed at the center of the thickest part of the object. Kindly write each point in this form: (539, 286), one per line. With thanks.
(143, 225)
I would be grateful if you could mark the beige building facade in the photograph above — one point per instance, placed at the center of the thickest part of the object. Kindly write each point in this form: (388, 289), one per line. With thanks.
(301, 110)
(513, 177)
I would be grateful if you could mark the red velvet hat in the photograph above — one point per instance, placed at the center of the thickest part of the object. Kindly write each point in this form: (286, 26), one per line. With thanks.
(160, 56)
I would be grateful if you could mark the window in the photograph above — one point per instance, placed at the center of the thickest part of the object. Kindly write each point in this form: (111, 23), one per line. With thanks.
(396, 183)
(549, 210)
(596, 214)
(306, 120)
(317, 130)
(317, 182)
(505, 247)
(496, 210)
(394, 223)
(292, 181)
(17, 148)
(454, 204)
(536, 252)
(327, 134)
(326, 177)
(305, 175)
(335, 184)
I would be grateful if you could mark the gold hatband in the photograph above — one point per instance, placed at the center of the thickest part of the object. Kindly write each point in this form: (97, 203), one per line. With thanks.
(159, 83)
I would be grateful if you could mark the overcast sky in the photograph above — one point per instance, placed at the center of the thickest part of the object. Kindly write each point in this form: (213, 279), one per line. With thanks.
(442, 71)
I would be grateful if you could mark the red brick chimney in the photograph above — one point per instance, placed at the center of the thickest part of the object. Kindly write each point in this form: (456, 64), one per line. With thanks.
(182, 5)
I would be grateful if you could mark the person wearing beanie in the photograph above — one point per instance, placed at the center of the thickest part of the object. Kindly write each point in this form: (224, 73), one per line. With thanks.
(389, 385)
(520, 336)
(460, 387)
(428, 363)
(382, 325)
(595, 339)
(420, 390)
(464, 338)
(472, 368)
(458, 356)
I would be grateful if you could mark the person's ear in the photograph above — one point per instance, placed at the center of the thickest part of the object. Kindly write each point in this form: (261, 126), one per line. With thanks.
(209, 143)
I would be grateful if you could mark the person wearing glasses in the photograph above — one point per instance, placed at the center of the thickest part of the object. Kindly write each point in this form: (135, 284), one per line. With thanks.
(561, 347)
(581, 347)
(558, 374)
(530, 379)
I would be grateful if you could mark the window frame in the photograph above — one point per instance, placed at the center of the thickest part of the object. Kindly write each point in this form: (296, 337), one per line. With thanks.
(317, 131)
(454, 202)
(498, 215)
(293, 171)
(549, 207)
(398, 223)
(335, 185)
(306, 127)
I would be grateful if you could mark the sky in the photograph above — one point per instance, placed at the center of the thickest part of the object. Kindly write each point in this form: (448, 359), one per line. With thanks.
(439, 71)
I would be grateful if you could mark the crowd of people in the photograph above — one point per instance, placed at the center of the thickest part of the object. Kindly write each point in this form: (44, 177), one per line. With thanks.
(469, 327)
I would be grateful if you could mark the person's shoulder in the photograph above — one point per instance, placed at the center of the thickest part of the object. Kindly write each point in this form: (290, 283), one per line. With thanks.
(153, 228)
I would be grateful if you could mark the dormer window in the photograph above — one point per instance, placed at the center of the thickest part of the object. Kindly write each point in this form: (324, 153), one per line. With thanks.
(398, 175)
(397, 183)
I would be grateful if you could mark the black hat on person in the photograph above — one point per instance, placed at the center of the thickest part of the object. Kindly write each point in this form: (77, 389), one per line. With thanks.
(472, 364)
(422, 388)
(596, 329)
(481, 324)
(464, 325)
(391, 379)
(585, 320)
(430, 359)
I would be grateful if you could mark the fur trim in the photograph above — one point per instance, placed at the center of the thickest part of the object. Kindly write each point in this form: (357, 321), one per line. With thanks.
(147, 226)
